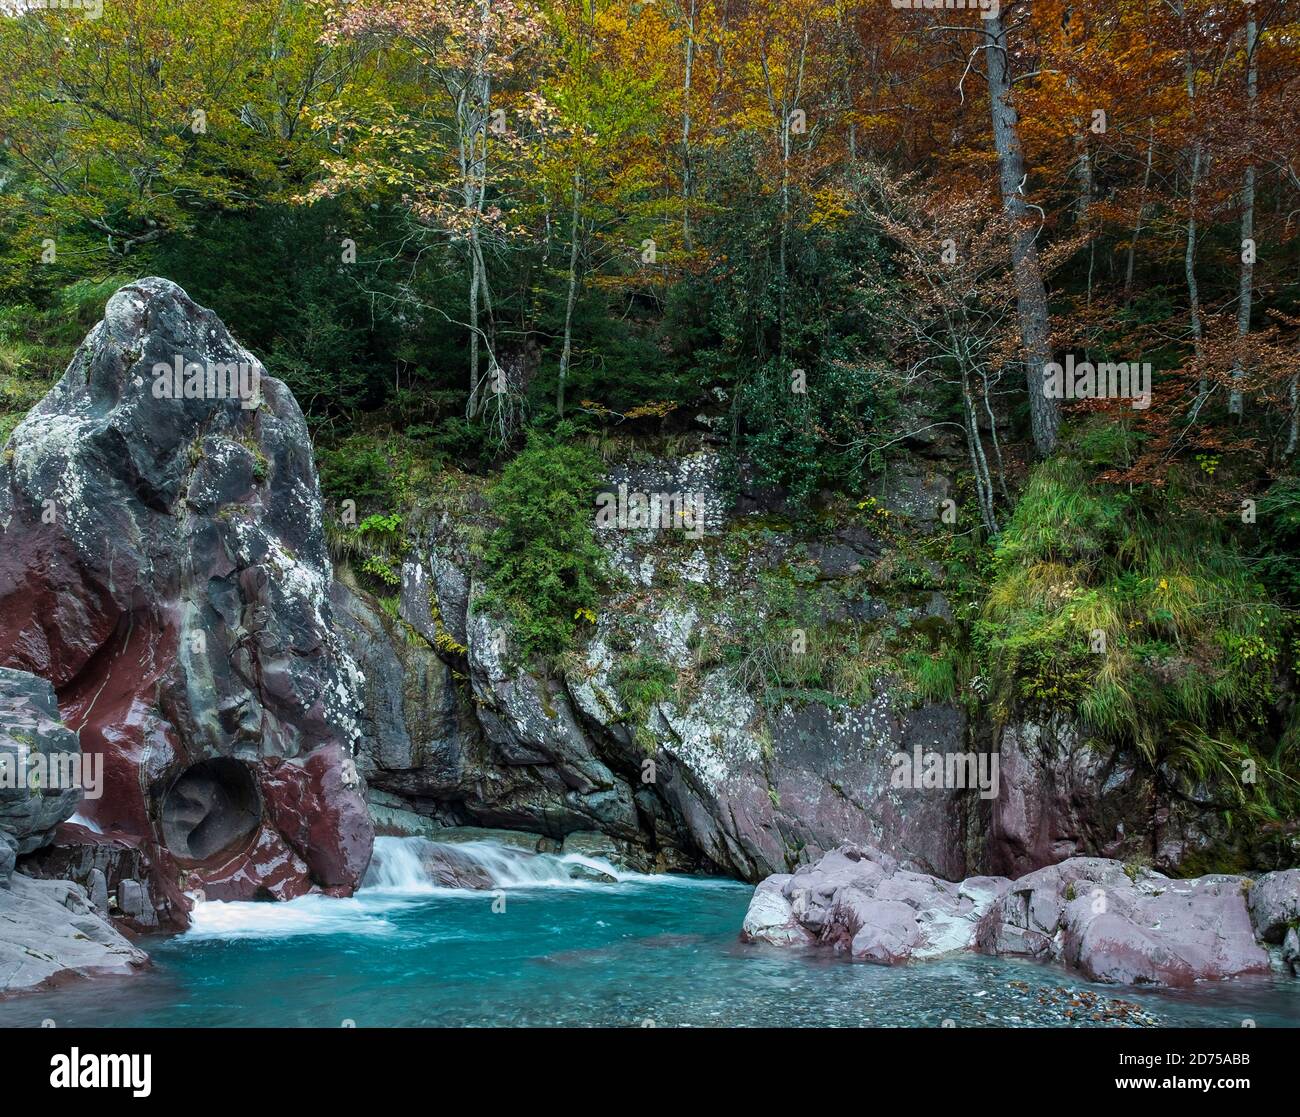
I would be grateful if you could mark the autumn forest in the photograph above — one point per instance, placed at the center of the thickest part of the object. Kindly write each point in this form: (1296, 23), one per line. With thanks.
(1050, 249)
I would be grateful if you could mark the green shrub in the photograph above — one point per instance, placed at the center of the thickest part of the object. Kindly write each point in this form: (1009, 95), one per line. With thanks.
(931, 676)
(544, 567)
(1139, 616)
(357, 469)
(643, 681)
(640, 682)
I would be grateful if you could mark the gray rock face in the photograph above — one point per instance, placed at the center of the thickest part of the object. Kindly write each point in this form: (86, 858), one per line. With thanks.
(49, 933)
(427, 744)
(697, 476)
(1274, 902)
(530, 721)
(859, 902)
(101, 864)
(709, 780)
(33, 739)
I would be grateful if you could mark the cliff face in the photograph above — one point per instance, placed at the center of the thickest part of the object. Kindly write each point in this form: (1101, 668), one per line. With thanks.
(163, 565)
(703, 774)
(712, 768)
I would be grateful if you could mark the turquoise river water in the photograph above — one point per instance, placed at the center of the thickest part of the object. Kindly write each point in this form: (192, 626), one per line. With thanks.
(641, 951)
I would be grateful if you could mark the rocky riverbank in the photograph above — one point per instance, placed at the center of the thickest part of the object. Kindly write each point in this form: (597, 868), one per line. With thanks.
(1105, 922)
(50, 930)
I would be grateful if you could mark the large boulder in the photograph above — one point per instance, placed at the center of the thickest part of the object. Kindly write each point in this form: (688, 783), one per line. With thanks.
(1136, 927)
(858, 901)
(1087, 913)
(40, 759)
(163, 563)
(50, 933)
(1274, 902)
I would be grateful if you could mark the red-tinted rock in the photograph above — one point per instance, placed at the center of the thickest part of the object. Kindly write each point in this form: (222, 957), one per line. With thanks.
(314, 806)
(1146, 929)
(163, 563)
(859, 902)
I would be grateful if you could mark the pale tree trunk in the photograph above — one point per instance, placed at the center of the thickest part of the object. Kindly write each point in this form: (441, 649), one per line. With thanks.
(686, 128)
(1142, 206)
(472, 408)
(474, 113)
(979, 462)
(1235, 400)
(785, 222)
(1083, 204)
(784, 112)
(846, 55)
(1031, 294)
(566, 350)
(1189, 253)
(1189, 269)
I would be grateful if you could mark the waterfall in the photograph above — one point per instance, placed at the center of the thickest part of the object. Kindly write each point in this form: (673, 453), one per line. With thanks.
(421, 865)
(402, 870)
(395, 866)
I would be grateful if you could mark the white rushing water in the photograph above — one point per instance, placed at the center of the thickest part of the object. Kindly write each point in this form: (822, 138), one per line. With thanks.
(421, 865)
(402, 869)
(307, 915)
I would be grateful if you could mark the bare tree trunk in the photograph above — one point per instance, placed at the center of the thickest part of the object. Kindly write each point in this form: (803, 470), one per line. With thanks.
(574, 234)
(993, 437)
(472, 407)
(1235, 400)
(686, 128)
(979, 463)
(1083, 206)
(1189, 268)
(1189, 255)
(1142, 206)
(474, 111)
(1031, 294)
(785, 222)
(783, 111)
